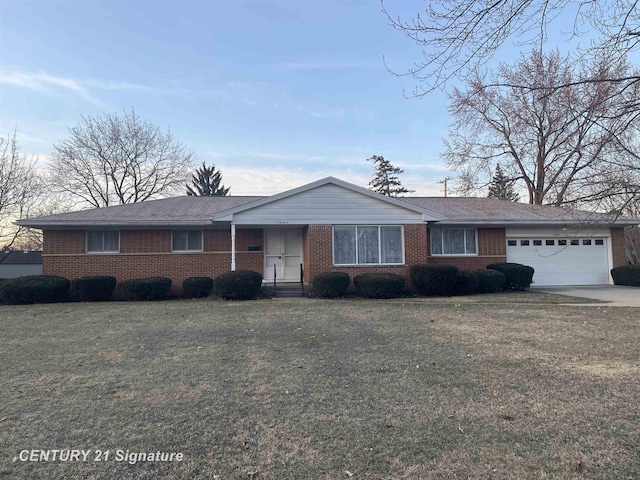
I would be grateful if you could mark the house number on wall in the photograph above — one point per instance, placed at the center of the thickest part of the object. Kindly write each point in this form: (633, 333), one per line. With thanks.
(282, 222)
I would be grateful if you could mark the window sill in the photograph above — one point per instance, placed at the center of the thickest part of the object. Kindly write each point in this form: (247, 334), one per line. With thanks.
(350, 265)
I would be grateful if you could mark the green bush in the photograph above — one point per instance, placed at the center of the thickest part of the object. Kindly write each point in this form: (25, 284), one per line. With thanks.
(433, 279)
(151, 288)
(490, 281)
(331, 284)
(518, 277)
(34, 289)
(626, 275)
(197, 287)
(96, 288)
(467, 282)
(379, 285)
(238, 285)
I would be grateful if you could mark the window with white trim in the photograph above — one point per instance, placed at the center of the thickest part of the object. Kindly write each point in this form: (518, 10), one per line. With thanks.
(102, 241)
(186, 240)
(453, 241)
(367, 245)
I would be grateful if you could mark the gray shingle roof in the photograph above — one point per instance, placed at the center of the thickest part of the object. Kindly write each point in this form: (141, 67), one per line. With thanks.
(166, 211)
(494, 211)
(196, 211)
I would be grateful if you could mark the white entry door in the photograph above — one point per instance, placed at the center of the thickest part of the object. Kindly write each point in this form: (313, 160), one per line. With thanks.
(282, 252)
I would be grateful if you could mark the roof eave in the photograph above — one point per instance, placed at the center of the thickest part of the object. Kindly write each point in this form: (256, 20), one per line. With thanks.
(121, 223)
(541, 223)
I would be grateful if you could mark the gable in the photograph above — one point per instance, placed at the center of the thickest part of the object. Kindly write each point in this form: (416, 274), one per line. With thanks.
(328, 204)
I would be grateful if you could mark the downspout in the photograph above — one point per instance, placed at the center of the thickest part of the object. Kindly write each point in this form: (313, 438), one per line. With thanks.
(233, 247)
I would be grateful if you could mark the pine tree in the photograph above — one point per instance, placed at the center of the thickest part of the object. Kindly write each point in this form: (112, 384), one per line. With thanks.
(501, 187)
(207, 183)
(385, 177)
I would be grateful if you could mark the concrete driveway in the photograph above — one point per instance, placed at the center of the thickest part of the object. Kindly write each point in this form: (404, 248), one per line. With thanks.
(619, 296)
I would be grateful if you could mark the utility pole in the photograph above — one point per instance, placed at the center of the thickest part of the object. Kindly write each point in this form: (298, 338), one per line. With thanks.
(444, 181)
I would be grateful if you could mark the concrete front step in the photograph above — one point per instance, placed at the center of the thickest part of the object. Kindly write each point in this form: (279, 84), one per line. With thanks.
(284, 290)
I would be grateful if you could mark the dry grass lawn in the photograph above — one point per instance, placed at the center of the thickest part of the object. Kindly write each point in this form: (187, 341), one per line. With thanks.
(514, 387)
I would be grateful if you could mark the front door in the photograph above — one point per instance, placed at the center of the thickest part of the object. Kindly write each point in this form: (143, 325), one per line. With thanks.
(282, 254)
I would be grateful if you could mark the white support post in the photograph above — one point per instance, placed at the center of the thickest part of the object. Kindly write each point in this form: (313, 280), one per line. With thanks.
(233, 247)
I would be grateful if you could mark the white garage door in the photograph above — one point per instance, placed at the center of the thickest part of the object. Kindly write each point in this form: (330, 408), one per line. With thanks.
(570, 261)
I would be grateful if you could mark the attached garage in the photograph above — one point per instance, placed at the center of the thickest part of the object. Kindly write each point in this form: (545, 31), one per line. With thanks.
(578, 260)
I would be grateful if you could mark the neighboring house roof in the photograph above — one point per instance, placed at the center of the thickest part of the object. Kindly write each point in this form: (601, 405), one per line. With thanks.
(20, 258)
(201, 211)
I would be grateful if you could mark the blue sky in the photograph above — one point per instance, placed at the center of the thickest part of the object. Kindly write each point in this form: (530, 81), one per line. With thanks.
(276, 93)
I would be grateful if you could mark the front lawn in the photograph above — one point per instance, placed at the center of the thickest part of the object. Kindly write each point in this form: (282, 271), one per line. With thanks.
(320, 389)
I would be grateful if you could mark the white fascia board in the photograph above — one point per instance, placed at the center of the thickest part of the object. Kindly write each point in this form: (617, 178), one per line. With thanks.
(93, 224)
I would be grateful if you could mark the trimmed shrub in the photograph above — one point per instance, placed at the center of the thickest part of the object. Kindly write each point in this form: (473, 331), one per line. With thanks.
(331, 284)
(151, 288)
(467, 282)
(518, 277)
(34, 289)
(238, 285)
(434, 279)
(379, 285)
(98, 288)
(626, 275)
(197, 287)
(490, 281)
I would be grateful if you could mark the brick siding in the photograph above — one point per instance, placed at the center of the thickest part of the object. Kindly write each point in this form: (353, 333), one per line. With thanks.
(618, 247)
(492, 248)
(148, 252)
(145, 253)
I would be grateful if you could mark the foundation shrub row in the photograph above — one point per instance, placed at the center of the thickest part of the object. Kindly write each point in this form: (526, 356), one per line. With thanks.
(238, 285)
(428, 280)
(379, 285)
(628, 275)
(34, 289)
(441, 280)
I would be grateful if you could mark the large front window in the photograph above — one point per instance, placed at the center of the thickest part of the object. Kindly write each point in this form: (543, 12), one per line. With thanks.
(103, 241)
(186, 241)
(453, 241)
(367, 245)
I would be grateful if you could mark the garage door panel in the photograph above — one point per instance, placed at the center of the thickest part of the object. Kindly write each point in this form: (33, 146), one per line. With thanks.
(582, 264)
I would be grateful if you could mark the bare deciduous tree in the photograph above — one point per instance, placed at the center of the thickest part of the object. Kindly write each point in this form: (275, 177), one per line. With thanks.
(20, 188)
(569, 145)
(458, 36)
(116, 159)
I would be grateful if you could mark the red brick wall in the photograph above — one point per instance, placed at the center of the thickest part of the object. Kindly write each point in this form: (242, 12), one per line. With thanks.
(492, 248)
(318, 253)
(57, 242)
(148, 253)
(618, 247)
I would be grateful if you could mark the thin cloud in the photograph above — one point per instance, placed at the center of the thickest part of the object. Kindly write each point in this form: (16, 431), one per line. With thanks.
(52, 85)
(323, 113)
(269, 181)
(326, 65)
(109, 85)
(47, 84)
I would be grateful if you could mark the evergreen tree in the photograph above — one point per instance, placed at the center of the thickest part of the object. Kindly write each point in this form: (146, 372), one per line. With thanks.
(207, 183)
(385, 177)
(501, 187)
